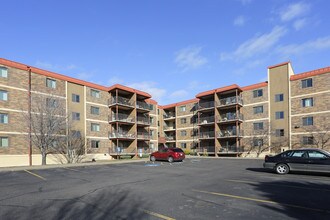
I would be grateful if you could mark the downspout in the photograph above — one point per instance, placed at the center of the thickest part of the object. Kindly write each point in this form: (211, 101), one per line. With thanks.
(30, 118)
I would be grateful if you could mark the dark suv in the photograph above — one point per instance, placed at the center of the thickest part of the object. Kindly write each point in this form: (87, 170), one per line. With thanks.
(313, 160)
(169, 154)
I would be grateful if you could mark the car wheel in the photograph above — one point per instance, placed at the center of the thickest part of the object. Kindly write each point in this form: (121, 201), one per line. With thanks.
(170, 159)
(282, 168)
(153, 158)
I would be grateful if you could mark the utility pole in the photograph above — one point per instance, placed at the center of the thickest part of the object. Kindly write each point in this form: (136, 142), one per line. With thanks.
(30, 118)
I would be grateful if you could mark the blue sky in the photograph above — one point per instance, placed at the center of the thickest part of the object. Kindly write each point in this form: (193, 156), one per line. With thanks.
(172, 49)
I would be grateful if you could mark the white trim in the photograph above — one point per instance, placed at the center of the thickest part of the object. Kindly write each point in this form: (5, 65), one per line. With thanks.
(258, 119)
(269, 110)
(153, 127)
(290, 107)
(11, 87)
(93, 103)
(313, 132)
(85, 121)
(97, 138)
(185, 140)
(13, 132)
(46, 94)
(310, 94)
(310, 113)
(255, 136)
(184, 116)
(101, 121)
(12, 110)
(257, 103)
(153, 114)
(185, 128)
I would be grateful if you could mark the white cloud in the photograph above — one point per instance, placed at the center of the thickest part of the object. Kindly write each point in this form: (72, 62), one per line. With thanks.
(179, 94)
(256, 45)
(54, 67)
(115, 80)
(190, 58)
(307, 47)
(151, 88)
(294, 10)
(299, 24)
(239, 21)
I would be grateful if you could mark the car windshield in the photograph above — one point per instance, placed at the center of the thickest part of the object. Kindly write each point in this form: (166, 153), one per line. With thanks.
(177, 150)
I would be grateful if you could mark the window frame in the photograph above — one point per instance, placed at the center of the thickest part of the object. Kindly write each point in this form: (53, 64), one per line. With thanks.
(51, 83)
(6, 95)
(76, 116)
(94, 92)
(279, 97)
(93, 112)
(307, 83)
(183, 108)
(183, 121)
(257, 127)
(183, 133)
(97, 144)
(279, 133)
(308, 140)
(308, 121)
(1, 141)
(279, 115)
(255, 109)
(307, 102)
(97, 126)
(3, 72)
(4, 121)
(258, 93)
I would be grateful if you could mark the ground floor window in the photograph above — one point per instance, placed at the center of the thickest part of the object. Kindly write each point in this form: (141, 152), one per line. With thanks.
(4, 142)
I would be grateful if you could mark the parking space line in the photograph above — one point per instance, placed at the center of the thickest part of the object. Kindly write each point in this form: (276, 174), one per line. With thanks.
(158, 215)
(271, 184)
(73, 170)
(35, 175)
(261, 201)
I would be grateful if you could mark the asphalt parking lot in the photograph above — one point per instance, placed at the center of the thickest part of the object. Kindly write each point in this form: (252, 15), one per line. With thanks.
(198, 188)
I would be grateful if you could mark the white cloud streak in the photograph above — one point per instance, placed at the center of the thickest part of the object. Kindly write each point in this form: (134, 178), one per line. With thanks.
(256, 45)
(293, 11)
(151, 88)
(299, 24)
(189, 58)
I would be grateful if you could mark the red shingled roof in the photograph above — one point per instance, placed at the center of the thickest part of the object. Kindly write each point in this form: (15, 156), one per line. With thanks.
(255, 86)
(221, 89)
(310, 73)
(280, 64)
(178, 103)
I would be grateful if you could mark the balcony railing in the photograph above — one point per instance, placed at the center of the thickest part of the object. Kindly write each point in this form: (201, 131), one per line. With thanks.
(143, 105)
(230, 117)
(121, 150)
(230, 133)
(121, 101)
(170, 138)
(169, 115)
(169, 128)
(207, 134)
(122, 134)
(143, 120)
(206, 120)
(231, 149)
(205, 105)
(205, 149)
(121, 117)
(143, 135)
(230, 101)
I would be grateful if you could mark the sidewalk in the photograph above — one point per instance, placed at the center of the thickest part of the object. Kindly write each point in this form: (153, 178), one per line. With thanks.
(97, 163)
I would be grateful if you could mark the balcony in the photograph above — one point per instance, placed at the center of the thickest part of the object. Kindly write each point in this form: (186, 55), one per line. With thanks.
(230, 117)
(143, 120)
(205, 149)
(122, 135)
(170, 138)
(206, 120)
(207, 135)
(143, 106)
(230, 101)
(120, 101)
(168, 116)
(122, 151)
(119, 117)
(169, 128)
(205, 105)
(229, 149)
(230, 133)
(143, 136)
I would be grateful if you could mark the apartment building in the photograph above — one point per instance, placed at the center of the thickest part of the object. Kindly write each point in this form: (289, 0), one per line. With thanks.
(113, 120)
(287, 111)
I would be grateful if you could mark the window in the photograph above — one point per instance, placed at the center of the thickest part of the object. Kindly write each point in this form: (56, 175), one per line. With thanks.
(279, 115)
(258, 109)
(152, 132)
(75, 98)
(279, 132)
(182, 108)
(76, 134)
(95, 144)
(257, 93)
(258, 142)
(95, 93)
(183, 145)
(3, 118)
(3, 72)
(51, 103)
(151, 120)
(308, 102)
(305, 83)
(3, 95)
(4, 142)
(76, 116)
(183, 120)
(307, 121)
(307, 140)
(258, 126)
(51, 83)
(183, 133)
(316, 155)
(279, 98)
(95, 127)
(151, 107)
(95, 110)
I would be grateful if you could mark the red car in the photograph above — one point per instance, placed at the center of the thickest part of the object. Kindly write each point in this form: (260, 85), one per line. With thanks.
(169, 154)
